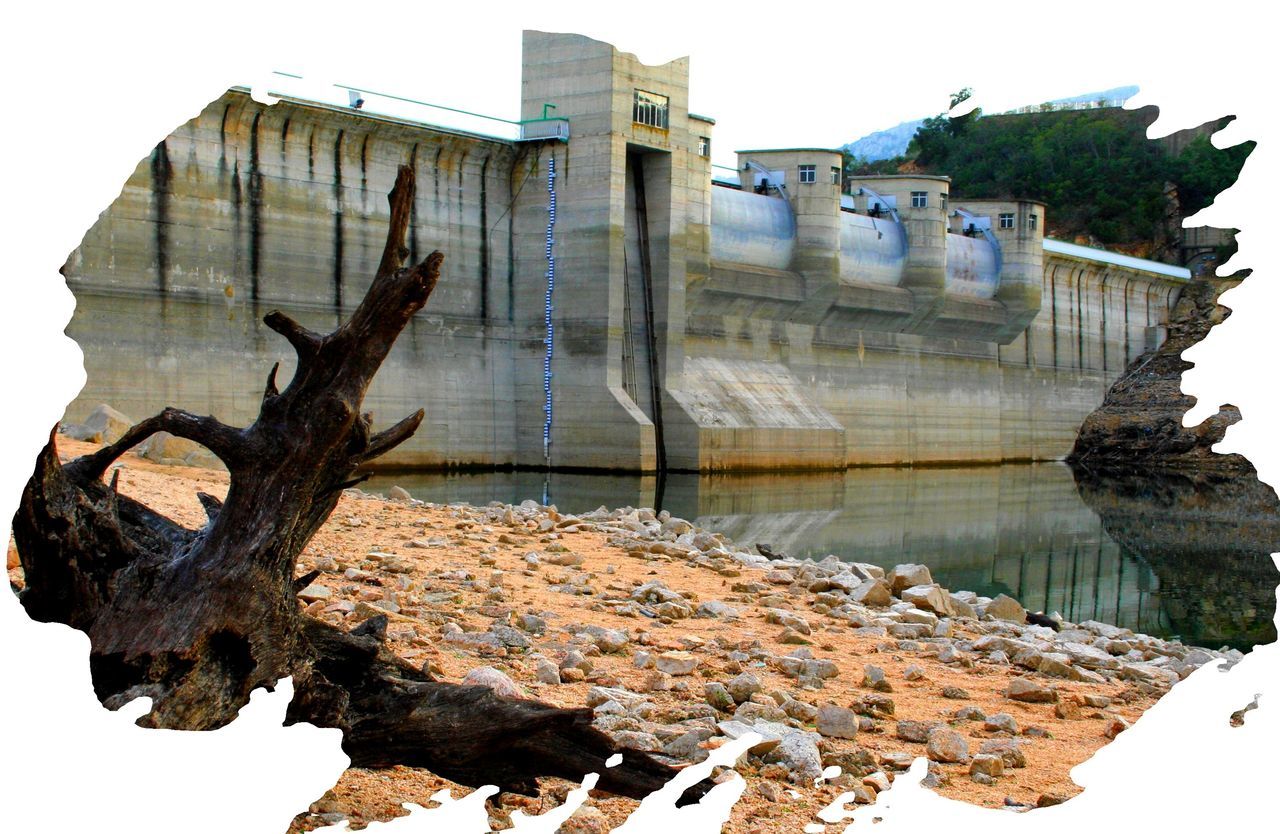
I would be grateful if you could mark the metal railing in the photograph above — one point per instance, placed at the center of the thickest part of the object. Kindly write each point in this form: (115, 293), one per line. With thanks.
(423, 112)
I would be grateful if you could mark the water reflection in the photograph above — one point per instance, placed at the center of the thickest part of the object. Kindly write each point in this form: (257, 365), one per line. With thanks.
(1023, 530)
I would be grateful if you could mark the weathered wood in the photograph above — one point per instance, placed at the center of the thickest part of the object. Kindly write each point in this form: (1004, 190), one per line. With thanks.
(196, 619)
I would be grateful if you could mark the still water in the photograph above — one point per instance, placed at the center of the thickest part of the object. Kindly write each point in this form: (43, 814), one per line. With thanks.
(1131, 556)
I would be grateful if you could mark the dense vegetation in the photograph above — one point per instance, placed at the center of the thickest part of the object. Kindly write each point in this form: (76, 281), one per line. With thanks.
(1099, 174)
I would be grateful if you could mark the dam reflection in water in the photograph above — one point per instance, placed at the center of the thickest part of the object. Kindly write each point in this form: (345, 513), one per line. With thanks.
(1023, 530)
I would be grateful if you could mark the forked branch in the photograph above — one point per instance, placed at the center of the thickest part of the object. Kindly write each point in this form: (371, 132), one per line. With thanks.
(224, 441)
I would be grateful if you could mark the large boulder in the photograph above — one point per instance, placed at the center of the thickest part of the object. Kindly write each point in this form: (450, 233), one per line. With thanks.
(165, 448)
(929, 597)
(1005, 607)
(873, 592)
(103, 425)
(907, 576)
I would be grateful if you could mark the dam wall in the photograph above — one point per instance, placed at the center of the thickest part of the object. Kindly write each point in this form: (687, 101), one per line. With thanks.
(249, 208)
(778, 319)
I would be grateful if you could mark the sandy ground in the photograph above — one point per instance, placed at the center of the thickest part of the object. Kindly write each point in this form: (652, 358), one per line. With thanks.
(360, 525)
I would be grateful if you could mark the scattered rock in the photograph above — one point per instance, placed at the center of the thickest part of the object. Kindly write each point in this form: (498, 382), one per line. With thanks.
(495, 680)
(1021, 689)
(876, 706)
(872, 592)
(315, 593)
(907, 576)
(873, 678)
(798, 753)
(1067, 711)
(916, 731)
(743, 687)
(718, 696)
(1001, 722)
(547, 672)
(1007, 749)
(987, 765)
(929, 598)
(585, 820)
(716, 610)
(793, 621)
(1115, 726)
(836, 721)
(676, 663)
(1006, 608)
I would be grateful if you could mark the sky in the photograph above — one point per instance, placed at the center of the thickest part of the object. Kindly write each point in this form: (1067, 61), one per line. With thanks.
(93, 86)
(820, 74)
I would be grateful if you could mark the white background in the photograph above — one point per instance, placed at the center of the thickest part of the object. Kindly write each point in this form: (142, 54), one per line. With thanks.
(90, 89)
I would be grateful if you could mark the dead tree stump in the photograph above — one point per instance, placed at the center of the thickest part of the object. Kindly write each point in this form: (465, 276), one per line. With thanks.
(197, 619)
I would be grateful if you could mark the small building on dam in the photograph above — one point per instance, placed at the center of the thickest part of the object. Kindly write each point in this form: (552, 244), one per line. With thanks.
(609, 299)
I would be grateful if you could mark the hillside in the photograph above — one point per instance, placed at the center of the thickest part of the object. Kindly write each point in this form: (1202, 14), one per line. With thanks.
(1103, 180)
(891, 142)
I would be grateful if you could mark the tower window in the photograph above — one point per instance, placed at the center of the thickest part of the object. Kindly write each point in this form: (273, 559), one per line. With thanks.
(650, 109)
(1031, 221)
(835, 175)
(1006, 220)
(808, 173)
(919, 199)
(704, 146)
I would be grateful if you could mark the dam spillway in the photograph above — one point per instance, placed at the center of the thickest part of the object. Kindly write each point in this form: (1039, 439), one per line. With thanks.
(783, 321)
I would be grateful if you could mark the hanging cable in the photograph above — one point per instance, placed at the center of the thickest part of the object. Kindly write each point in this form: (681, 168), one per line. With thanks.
(551, 286)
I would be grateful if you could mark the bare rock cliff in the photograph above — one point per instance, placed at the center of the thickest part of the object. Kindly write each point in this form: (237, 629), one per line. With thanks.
(1139, 425)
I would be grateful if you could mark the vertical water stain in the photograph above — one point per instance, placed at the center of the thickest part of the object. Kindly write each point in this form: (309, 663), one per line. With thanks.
(311, 154)
(511, 266)
(484, 239)
(222, 140)
(435, 176)
(1053, 314)
(1080, 320)
(1102, 286)
(1127, 347)
(364, 166)
(284, 142)
(161, 194)
(413, 208)
(237, 217)
(460, 220)
(255, 215)
(337, 225)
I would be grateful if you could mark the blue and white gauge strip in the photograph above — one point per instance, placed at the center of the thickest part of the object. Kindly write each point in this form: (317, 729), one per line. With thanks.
(551, 286)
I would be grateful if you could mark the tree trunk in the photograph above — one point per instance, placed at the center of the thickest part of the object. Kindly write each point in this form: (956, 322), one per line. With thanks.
(196, 619)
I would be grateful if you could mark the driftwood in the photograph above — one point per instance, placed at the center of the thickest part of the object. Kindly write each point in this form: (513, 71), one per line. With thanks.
(196, 619)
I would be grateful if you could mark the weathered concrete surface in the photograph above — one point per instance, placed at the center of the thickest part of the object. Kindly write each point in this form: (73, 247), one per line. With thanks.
(248, 208)
(905, 398)
(663, 356)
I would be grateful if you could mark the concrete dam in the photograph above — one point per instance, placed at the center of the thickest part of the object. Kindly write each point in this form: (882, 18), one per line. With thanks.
(609, 300)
